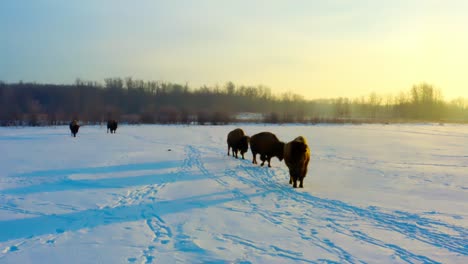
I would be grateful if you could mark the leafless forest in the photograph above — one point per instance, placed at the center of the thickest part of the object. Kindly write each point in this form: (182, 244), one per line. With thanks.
(137, 101)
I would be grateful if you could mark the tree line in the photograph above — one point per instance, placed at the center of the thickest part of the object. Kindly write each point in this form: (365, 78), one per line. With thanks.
(138, 101)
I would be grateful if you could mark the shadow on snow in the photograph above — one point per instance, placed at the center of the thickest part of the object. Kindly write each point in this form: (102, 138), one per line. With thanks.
(104, 169)
(122, 182)
(42, 225)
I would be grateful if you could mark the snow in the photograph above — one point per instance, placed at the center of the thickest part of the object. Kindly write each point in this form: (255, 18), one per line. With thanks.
(170, 194)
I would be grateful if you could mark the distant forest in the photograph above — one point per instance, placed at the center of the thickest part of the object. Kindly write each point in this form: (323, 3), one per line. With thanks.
(136, 101)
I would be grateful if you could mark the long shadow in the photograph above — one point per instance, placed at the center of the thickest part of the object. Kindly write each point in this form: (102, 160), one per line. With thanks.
(104, 169)
(16, 138)
(123, 182)
(32, 137)
(50, 224)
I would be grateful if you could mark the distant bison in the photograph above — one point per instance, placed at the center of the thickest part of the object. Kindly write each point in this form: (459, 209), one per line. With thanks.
(74, 127)
(267, 145)
(296, 157)
(112, 126)
(238, 141)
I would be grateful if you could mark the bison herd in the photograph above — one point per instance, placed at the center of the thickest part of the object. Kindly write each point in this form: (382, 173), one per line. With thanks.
(296, 153)
(74, 127)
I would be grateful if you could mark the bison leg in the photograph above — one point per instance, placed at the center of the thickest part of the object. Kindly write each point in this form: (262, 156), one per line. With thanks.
(269, 165)
(293, 178)
(254, 159)
(228, 149)
(263, 158)
(242, 153)
(301, 178)
(294, 181)
(235, 152)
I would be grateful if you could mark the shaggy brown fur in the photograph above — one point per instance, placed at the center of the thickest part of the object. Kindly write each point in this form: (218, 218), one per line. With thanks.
(296, 157)
(112, 126)
(238, 141)
(74, 127)
(267, 145)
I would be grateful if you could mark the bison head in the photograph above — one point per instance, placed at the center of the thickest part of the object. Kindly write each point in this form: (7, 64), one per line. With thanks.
(244, 144)
(279, 150)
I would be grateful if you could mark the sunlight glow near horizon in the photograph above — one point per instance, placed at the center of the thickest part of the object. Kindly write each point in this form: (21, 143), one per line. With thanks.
(319, 49)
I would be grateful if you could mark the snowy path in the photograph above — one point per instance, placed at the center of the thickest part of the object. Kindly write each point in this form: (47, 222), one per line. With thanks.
(149, 194)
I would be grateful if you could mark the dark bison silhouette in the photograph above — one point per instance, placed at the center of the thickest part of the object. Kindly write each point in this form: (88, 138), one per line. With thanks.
(111, 126)
(238, 141)
(296, 157)
(267, 145)
(74, 127)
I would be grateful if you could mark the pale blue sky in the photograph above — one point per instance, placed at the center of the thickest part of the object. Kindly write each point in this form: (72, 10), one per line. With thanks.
(315, 48)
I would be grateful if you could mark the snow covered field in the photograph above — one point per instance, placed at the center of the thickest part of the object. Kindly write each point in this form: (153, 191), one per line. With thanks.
(170, 194)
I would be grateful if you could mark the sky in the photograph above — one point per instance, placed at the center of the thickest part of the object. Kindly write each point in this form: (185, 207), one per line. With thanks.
(319, 49)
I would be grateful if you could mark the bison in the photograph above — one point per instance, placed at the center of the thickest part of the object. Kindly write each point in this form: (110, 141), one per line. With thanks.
(112, 126)
(296, 157)
(74, 127)
(238, 141)
(267, 145)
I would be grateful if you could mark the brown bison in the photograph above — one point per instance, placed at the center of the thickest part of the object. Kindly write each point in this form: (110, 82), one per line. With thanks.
(238, 141)
(296, 157)
(74, 127)
(267, 145)
(112, 126)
